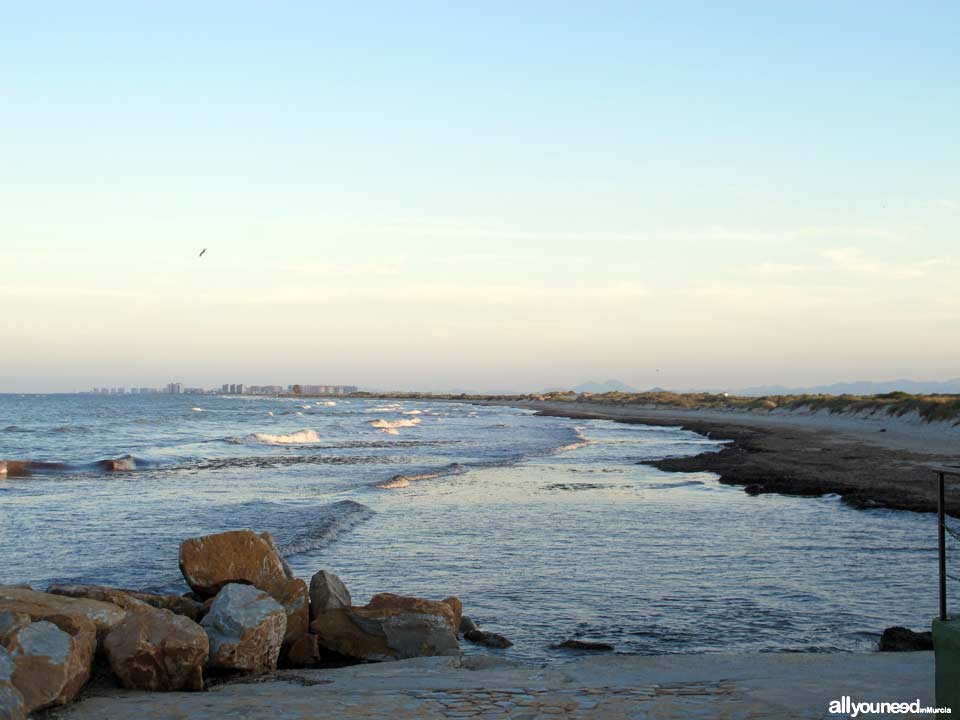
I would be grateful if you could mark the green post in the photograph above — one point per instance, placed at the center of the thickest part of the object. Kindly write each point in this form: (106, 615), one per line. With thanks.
(946, 647)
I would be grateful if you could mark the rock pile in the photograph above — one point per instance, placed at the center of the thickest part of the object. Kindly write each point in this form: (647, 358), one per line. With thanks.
(245, 612)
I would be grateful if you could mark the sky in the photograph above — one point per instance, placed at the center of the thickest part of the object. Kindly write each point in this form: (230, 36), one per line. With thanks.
(494, 196)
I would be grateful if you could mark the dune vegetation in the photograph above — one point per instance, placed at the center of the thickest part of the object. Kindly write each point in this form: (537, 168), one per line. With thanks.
(927, 407)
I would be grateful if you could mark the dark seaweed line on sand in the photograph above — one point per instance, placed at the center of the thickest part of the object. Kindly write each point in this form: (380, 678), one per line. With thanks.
(786, 461)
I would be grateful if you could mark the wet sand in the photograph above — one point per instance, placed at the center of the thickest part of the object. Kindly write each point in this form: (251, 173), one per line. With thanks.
(870, 463)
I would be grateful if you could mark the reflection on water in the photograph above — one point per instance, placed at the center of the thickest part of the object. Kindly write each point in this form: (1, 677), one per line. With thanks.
(546, 528)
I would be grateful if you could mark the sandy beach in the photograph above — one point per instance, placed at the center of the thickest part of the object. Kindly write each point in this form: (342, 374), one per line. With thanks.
(870, 461)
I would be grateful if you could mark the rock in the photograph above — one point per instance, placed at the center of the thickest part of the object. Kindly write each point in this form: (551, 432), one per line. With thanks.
(753, 489)
(158, 650)
(304, 651)
(585, 645)
(287, 570)
(457, 607)
(485, 637)
(50, 666)
(245, 627)
(295, 598)
(44, 606)
(11, 701)
(390, 627)
(900, 639)
(210, 562)
(467, 625)
(131, 599)
(327, 592)
(121, 464)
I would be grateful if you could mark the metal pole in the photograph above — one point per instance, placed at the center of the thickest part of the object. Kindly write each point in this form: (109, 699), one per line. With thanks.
(942, 542)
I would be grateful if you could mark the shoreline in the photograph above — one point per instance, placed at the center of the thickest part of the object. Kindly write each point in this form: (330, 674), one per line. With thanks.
(869, 464)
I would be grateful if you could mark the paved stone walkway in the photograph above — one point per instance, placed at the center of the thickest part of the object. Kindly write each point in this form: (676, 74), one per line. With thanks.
(593, 688)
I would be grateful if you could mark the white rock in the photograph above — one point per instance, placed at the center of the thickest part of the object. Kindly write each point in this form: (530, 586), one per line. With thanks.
(245, 627)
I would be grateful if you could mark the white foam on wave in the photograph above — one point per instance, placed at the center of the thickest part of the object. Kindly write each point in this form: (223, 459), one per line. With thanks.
(405, 422)
(402, 481)
(582, 441)
(328, 403)
(394, 483)
(338, 518)
(301, 437)
(412, 412)
(198, 410)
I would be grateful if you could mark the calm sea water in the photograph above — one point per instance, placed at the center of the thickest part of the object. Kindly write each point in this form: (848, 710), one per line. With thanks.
(546, 528)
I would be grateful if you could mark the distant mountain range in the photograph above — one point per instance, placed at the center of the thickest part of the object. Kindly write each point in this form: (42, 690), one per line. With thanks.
(859, 387)
(595, 387)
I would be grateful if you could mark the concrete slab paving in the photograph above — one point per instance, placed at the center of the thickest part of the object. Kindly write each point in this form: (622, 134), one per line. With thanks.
(617, 687)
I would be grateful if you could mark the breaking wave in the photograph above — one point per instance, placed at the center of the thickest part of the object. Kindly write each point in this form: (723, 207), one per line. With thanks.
(339, 518)
(580, 442)
(392, 424)
(402, 481)
(301, 437)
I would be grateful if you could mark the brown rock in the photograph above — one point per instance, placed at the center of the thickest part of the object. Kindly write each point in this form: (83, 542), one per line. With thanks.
(210, 562)
(454, 602)
(390, 627)
(245, 627)
(50, 666)
(11, 701)
(304, 651)
(158, 650)
(61, 610)
(287, 570)
(487, 638)
(295, 598)
(327, 592)
(131, 599)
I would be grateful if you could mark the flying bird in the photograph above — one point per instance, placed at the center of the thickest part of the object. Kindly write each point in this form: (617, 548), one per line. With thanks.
(201, 253)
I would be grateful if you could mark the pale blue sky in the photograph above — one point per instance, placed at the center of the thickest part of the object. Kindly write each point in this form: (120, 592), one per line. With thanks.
(486, 195)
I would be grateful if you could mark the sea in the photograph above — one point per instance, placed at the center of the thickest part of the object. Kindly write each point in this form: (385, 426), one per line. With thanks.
(547, 528)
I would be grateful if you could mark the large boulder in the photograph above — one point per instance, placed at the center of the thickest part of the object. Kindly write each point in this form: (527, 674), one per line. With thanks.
(11, 701)
(327, 592)
(389, 627)
(246, 628)
(901, 639)
(241, 556)
(131, 599)
(295, 598)
(304, 651)
(454, 602)
(43, 606)
(237, 556)
(287, 570)
(158, 650)
(50, 665)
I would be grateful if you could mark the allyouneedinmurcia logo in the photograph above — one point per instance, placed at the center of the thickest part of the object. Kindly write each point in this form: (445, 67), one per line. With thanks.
(846, 706)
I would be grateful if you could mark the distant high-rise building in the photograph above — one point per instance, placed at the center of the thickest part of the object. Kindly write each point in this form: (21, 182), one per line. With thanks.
(225, 388)
(175, 388)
